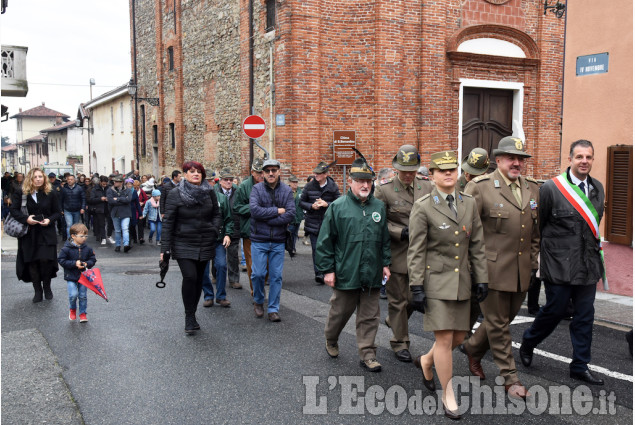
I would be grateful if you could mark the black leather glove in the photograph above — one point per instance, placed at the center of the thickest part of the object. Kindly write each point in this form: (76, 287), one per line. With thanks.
(481, 290)
(405, 234)
(418, 298)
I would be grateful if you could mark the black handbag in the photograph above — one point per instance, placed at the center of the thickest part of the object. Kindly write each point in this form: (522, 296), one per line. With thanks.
(13, 227)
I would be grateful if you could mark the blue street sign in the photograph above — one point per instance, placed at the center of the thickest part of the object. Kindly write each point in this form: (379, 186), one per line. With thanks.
(592, 64)
(280, 120)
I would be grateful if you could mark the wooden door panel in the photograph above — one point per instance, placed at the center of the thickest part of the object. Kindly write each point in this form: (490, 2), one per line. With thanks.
(619, 195)
(487, 118)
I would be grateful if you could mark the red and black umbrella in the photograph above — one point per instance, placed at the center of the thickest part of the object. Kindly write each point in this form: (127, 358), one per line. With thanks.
(92, 280)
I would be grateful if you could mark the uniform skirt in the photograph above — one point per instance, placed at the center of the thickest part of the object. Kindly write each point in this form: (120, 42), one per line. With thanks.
(444, 315)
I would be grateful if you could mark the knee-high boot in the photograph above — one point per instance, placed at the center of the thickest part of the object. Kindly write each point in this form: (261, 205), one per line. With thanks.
(37, 286)
(48, 294)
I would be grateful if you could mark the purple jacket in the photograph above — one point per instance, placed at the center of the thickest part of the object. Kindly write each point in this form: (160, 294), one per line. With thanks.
(266, 224)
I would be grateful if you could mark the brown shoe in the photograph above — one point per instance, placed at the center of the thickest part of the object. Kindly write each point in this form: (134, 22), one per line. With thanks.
(224, 303)
(517, 391)
(332, 349)
(475, 366)
(208, 303)
(235, 285)
(259, 310)
(274, 317)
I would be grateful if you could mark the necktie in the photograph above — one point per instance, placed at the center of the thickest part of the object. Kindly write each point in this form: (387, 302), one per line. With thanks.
(581, 186)
(516, 193)
(450, 199)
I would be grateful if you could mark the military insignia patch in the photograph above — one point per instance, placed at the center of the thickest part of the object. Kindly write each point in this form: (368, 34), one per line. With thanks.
(436, 200)
(533, 204)
(376, 217)
(497, 184)
(519, 144)
(444, 226)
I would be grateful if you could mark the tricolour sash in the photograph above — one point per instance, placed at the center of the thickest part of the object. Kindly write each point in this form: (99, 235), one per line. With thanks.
(585, 208)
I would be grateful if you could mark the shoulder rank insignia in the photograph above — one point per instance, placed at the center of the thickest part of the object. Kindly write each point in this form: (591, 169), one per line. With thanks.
(480, 178)
(465, 194)
(426, 196)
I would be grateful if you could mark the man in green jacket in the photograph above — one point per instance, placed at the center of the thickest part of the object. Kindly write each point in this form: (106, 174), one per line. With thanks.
(353, 252)
(241, 207)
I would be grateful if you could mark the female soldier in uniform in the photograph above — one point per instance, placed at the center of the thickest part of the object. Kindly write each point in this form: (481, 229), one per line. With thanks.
(446, 237)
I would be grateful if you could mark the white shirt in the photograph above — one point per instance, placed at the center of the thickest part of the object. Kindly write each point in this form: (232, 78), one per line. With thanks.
(576, 181)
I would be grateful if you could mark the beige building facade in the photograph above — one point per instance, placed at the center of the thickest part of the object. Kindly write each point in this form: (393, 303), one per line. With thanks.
(598, 102)
(108, 136)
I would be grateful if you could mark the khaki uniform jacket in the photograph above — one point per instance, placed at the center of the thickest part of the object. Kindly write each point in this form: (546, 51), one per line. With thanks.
(442, 246)
(512, 235)
(398, 206)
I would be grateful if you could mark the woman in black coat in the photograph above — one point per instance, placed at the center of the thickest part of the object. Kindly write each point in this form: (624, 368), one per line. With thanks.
(37, 250)
(191, 226)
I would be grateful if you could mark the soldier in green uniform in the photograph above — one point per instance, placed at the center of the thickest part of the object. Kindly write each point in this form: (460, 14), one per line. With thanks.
(399, 194)
(446, 240)
(508, 205)
(353, 253)
(241, 207)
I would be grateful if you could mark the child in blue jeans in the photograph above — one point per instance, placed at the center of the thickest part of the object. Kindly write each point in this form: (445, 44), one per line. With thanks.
(151, 210)
(76, 257)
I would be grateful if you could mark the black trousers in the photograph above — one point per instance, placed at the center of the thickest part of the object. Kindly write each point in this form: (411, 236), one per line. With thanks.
(192, 286)
(140, 224)
(99, 221)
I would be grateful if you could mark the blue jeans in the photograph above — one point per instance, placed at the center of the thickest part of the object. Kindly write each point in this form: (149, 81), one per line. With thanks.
(580, 328)
(155, 226)
(71, 218)
(76, 290)
(121, 227)
(243, 262)
(273, 252)
(220, 263)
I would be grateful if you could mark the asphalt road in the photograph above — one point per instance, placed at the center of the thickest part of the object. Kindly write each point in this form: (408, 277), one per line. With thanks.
(133, 364)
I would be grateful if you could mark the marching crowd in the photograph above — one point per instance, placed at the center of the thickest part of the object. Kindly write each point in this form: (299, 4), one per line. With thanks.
(452, 247)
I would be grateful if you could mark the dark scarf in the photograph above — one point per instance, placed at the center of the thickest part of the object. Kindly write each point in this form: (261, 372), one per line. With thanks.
(192, 194)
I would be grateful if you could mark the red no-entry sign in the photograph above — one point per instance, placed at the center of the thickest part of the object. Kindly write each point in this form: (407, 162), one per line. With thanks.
(254, 126)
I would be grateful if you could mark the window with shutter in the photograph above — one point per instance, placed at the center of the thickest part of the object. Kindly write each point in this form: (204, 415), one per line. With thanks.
(619, 195)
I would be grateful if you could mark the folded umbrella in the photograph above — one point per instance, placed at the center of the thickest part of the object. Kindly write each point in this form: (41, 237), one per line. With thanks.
(164, 265)
(92, 280)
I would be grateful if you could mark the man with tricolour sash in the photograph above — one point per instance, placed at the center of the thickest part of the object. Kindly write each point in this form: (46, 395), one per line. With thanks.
(571, 258)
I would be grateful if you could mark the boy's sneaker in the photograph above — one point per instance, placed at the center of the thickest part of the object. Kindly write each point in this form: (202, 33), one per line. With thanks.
(111, 240)
(83, 318)
(72, 316)
(158, 243)
(103, 241)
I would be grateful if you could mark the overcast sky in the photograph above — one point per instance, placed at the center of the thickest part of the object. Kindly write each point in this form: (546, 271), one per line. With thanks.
(69, 42)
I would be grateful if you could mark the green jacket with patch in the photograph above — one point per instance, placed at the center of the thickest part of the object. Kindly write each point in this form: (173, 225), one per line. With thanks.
(354, 242)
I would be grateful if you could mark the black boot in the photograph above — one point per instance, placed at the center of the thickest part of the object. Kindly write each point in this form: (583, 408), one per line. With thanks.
(48, 294)
(38, 292)
(191, 326)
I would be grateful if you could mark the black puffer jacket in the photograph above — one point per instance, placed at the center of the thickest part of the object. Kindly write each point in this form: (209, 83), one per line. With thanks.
(190, 231)
(94, 200)
(569, 252)
(312, 191)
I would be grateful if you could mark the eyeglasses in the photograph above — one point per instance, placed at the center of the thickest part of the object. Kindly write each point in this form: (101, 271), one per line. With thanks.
(270, 171)
(227, 180)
